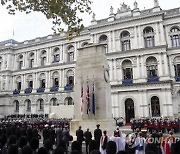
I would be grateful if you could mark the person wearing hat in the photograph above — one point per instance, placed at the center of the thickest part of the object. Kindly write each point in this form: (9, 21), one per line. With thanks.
(46, 133)
(97, 134)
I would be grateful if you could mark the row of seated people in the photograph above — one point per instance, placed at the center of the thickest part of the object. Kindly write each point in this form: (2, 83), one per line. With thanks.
(163, 125)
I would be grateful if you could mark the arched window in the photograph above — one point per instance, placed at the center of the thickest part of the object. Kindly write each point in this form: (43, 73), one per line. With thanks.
(1, 62)
(148, 37)
(69, 101)
(20, 62)
(18, 83)
(28, 105)
(16, 103)
(56, 55)
(125, 41)
(155, 107)
(103, 38)
(31, 60)
(152, 68)
(70, 77)
(55, 79)
(177, 68)
(30, 81)
(70, 53)
(127, 72)
(43, 58)
(41, 104)
(42, 80)
(175, 36)
(54, 102)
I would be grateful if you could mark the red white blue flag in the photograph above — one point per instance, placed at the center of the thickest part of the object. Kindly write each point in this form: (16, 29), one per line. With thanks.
(87, 98)
(93, 100)
(82, 101)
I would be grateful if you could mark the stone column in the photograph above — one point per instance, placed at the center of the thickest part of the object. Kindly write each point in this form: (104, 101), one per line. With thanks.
(135, 38)
(110, 42)
(113, 40)
(160, 65)
(140, 37)
(115, 72)
(142, 67)
(111, 69)
(157, 37)
(171, 65)
(75, 51)
(162, 34)
(166, 69)
(138, 74)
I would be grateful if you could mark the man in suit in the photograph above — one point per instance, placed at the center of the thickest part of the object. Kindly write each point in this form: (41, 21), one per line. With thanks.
(58, 136)
(80, 137)
(97, 134)
(88, 137)
(65, 134)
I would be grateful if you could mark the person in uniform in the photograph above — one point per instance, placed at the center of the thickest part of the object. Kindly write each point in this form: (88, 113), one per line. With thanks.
(97, 134)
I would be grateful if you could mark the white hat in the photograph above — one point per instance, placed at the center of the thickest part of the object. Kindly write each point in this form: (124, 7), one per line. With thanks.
(46, 125)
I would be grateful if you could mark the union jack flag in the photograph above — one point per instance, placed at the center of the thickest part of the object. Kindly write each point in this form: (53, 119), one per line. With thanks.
(87, 99)
(82, 101)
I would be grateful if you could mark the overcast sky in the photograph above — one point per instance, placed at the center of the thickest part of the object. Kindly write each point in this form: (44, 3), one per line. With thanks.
(34, 25)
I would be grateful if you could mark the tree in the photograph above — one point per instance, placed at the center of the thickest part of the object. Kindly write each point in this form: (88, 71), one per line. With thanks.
(60, 11)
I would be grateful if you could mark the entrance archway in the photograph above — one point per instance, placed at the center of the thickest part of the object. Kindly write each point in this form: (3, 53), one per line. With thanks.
(129, 109)
(155, 107)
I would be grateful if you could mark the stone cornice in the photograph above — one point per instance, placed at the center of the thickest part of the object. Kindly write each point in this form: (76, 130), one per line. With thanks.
(166, 85)
(136, 52)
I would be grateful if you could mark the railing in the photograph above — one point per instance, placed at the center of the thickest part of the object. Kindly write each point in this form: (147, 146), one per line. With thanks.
(127, 81)
(177, 78)
(153, 79)
(40, 90)
(68, 87)
(16, 91)
(54, 88)
(28, 90)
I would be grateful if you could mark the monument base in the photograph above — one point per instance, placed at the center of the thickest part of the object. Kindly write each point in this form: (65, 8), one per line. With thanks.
(105, 124)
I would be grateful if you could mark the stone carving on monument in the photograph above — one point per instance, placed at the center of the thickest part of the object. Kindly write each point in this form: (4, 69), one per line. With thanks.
(92, 99)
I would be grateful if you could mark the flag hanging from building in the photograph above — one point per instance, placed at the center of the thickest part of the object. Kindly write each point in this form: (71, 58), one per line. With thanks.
(93, 100)
(87, 98)
(81, 107)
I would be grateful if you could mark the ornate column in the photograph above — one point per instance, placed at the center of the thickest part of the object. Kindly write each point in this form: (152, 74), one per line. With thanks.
(166, 69)
(115, 72)
(157, 37)
(110, 42)
(75, 51)
(135, 38)
(113, 40)
(140, 37)
(160, 69)
(138, 74)
(111, 69)
(142, 67)
(162, 34)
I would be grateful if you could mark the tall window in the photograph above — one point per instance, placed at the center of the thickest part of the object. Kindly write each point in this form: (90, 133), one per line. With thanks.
(54, 102)
(28, 105)
(152, 68)
(19, 86)
(69, 101)
(70, 80)
(31, 60)
(155, 107)
(56, 55)
(20, 65)
(175, 36)
(148, 37)
(20, 62)
(30, 84)
(71, 53)
(41, 104)
(16, 106)
(56, 82)
(43, 58)
(42, 83)
(127, 69)
(125, 41)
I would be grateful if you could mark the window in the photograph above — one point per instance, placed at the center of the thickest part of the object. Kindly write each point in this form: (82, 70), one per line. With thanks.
(70, 80)
(125, 41)
(56, 58)
(19, 86)
(16, 106)
(41, 104)
(30, 84)
(54, 102)
(43, 61)
(175, 36)
(102, 38)
(149, 37)
(28, 105)
(20, 65)
(69, 101)
(155, 107)
(56, 82)
(42, 83)
(127, 73)
(152, 68)
(70, 53)
(31, 63)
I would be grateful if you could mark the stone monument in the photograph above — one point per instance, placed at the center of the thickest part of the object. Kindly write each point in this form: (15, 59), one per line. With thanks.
(92, 87)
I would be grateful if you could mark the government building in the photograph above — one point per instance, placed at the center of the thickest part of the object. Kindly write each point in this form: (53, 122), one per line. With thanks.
(143, 52)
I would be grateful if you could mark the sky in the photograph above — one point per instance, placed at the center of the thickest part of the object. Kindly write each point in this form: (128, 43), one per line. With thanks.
(21, 27)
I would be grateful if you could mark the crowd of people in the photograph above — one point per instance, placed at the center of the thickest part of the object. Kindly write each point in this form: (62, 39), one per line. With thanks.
(37, 134)
(163, 125)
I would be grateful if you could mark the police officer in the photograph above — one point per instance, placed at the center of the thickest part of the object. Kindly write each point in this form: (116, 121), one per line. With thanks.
(97, 134)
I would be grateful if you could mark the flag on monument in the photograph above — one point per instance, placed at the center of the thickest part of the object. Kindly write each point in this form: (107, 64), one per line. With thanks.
(93, 100)
(81, 108)
(87, 98)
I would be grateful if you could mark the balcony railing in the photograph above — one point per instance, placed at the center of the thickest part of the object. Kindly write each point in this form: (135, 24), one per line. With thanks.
(40, 90)
(28, 90)
(16, 91)
(54, 88)
(177, 78)
(153, 79)
(127, 81)
(68, 87)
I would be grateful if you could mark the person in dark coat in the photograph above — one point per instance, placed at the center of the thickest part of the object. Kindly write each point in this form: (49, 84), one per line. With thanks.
(65, 134)
(80, 137)
(58, 136)
(52, 134)
(88, 138)
(97, 134)
(46, 133)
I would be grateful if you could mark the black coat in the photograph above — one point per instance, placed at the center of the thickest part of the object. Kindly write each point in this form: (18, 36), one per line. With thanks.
(79, 134)
(87, 136)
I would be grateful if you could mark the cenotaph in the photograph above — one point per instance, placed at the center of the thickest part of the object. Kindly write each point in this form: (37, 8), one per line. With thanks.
(92, 96)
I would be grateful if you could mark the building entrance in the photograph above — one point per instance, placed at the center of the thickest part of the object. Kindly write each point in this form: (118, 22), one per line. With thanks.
(129, 109)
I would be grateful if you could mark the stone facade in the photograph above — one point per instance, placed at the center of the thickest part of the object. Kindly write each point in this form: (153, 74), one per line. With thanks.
(143, 53)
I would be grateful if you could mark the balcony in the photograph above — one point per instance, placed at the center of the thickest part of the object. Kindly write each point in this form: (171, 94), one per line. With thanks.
(40, 90)
(177, 78)
(54, 88)
(127, 81)
(16, 92)
(28, 90)
(68, 87)
(153, 79)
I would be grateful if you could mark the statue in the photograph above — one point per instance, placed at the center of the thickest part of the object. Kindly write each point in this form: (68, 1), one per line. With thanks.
(156, 3)
(111, 10)
(135, 5)
(93, 17)
(124, 7)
